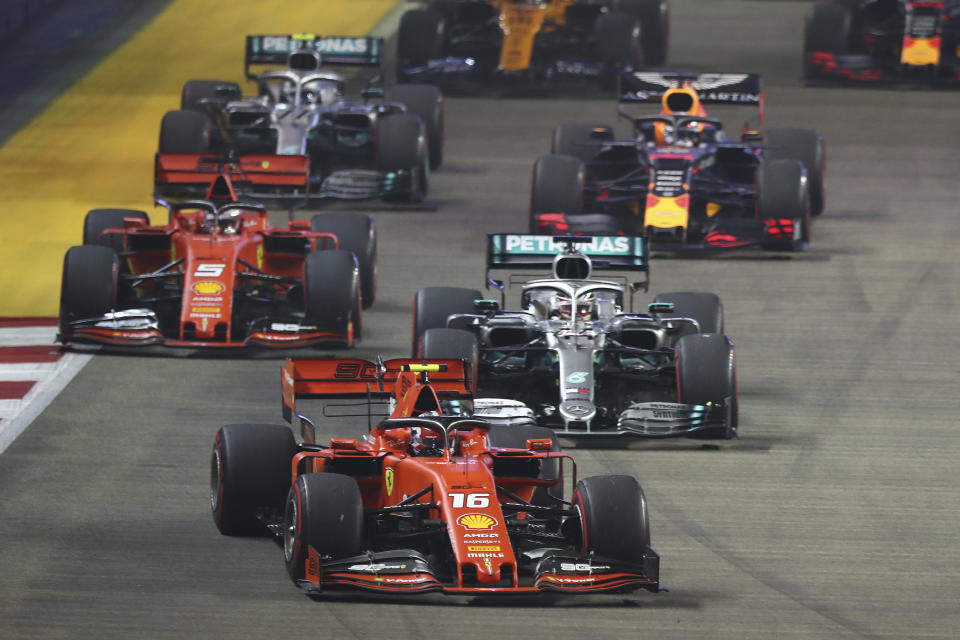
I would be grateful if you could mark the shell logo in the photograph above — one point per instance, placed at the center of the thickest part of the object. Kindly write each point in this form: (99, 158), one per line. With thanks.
(476, 521)
(207, 287)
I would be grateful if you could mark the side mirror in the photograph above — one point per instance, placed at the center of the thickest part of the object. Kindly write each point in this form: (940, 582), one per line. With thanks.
(660, 307)
(372, 93)
(751, 137)
(486, 306)
(539, 444)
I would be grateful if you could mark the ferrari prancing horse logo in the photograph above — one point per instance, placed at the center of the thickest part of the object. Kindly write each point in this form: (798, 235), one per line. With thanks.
(388, 480)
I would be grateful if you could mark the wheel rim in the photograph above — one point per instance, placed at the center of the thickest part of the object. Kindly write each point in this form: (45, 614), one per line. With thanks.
(216, 486)
(291, 516)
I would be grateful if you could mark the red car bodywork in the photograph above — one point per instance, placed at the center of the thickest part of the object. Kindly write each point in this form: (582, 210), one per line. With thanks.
(210, 262)
(462, 487)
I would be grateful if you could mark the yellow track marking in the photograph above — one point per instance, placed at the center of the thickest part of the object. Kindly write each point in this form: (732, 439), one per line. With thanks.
(93, 146)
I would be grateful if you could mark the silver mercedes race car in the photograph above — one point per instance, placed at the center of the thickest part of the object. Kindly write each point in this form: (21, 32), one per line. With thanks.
(381, 144)
(574, 356)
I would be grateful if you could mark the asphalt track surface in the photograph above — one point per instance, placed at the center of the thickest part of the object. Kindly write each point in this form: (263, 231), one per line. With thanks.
(834, 516)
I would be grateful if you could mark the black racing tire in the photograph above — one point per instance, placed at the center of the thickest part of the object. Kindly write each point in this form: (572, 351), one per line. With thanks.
(249, 471)
(332, 292)
(420, 37)
(402, 148)
(569, 138)
(806, 146)
(184, 131)
(707, 373)
(196, 91)
(88, 288)
(356, 233)
(323, 511)
(654, 18)
(432, 306)
(705, 308)
(452, 343)
(557, 187)
(426, 101)
(98, 220)
(827, 29)
(614, 522)
(782, 193)
(617, 39)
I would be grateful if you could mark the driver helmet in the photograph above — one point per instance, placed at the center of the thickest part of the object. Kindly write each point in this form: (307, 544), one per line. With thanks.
(425, 442)
(229, 222)
(563, 307)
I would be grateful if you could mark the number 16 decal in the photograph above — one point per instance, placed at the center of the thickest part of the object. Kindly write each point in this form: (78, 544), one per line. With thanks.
(209, 270)
(470, 500)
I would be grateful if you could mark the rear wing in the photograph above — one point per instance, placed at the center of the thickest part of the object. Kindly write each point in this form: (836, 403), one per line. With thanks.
(188, 175)
(519, 250)
(334, 50)
(356, 378)
(712, 88)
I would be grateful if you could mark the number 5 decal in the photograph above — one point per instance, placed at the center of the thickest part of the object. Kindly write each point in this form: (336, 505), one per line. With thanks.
(209, 270)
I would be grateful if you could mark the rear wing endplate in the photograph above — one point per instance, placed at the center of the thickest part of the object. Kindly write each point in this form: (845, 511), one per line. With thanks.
(334, 50)
(357, 378)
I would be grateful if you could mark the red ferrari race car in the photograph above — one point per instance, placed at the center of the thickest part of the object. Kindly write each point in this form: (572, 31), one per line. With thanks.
(217, 274)
(430, 499)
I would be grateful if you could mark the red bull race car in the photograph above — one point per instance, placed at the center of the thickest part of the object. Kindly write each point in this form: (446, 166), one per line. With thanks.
(430, 499)
(875, 40)
(218, 274)
(680, 179)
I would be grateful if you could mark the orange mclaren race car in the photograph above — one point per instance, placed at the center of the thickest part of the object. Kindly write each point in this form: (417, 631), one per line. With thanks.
(217, 274)
(680, 179)
(530, 41)
(430, 499)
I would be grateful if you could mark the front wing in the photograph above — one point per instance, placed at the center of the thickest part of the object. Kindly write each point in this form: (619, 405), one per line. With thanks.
(730, 233)
(407, 571)
(140, 328)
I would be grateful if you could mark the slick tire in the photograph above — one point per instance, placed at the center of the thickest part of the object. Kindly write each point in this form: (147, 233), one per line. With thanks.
(580, 139)
(89, 284)
(355, 233)
(654, 18)
(332, 292)
(249, 471)
(782, 192)
(196, 91)
(425, 101)
(456, 344)
(614, 522)
(323, 511)
(420, 37)
(402, 148)
(705, 308)
(432, 306)
(826, 28)
(707, 373)
(184, 131)
(557, 187)
(617, 39)
(806, 146)
(98, 220)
